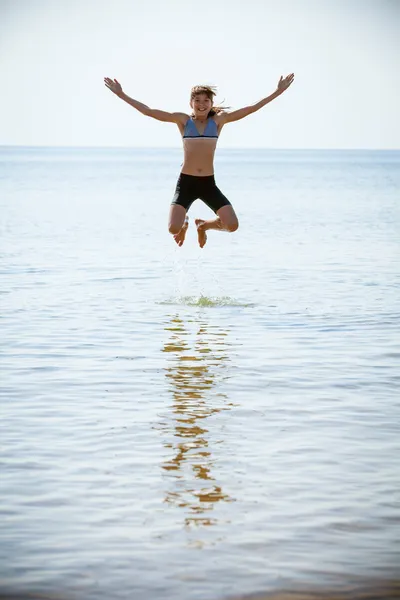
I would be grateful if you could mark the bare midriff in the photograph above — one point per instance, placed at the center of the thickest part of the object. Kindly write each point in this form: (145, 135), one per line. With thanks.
(199, 156)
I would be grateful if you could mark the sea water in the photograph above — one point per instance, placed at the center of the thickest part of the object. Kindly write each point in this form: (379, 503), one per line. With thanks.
(187, 423)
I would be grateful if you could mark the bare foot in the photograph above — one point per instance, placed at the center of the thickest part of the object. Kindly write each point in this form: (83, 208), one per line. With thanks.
(201, 234)
(180, 237)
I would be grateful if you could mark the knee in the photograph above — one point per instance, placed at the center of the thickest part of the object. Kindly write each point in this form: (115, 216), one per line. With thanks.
(174, 228)
(232, 226)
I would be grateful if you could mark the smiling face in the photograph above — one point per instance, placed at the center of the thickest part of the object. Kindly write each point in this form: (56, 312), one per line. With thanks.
(201, 105)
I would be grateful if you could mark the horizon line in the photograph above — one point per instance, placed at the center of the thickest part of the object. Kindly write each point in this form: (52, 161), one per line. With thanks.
(88, 147)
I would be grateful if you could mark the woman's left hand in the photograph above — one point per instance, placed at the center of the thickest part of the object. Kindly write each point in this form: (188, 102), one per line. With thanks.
(284, 83)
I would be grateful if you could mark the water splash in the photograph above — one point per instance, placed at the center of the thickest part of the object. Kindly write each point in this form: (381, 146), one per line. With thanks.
(206, 301)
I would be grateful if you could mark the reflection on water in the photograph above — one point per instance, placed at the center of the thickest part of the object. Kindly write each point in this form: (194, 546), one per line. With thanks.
(197, 363)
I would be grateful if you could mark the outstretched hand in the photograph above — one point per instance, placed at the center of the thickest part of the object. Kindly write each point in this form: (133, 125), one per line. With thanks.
(284, 83)
(113, 85)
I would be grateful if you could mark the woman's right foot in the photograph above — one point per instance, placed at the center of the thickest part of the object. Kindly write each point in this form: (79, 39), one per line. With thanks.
(180, 237)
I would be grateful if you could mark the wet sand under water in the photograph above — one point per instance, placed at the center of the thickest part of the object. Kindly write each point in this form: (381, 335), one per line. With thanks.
(362, 590)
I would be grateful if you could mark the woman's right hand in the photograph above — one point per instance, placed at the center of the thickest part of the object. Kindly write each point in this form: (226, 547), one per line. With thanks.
(113, 85)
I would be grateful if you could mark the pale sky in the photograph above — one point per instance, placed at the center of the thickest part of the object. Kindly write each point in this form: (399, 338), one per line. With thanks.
(345, 54)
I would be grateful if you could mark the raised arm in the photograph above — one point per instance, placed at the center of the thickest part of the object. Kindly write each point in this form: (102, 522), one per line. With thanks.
(160, 115)
(236, 115)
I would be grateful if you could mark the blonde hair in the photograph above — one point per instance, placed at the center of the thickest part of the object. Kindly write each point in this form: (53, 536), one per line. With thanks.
(210, 91)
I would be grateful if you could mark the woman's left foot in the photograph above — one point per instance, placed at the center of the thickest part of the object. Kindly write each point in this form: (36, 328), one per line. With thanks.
(201, 234)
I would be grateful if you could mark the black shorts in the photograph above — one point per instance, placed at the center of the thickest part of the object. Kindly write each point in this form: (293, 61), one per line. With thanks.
(191, 187)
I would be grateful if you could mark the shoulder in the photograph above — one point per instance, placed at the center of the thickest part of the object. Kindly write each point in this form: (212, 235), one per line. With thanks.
(221, 117)
(180, 118)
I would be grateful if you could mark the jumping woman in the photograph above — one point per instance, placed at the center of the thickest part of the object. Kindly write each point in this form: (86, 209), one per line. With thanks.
(200, 132)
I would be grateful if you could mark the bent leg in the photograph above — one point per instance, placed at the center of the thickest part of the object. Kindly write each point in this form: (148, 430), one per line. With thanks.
(185, 194)
(228, 218)
(176, 220)
(178, 223)
(225, 221)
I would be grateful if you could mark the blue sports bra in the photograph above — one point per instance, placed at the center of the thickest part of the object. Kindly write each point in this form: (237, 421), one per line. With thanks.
(210, 131)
